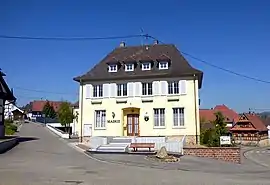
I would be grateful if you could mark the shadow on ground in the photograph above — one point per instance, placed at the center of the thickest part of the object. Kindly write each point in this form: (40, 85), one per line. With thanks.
(25, 139)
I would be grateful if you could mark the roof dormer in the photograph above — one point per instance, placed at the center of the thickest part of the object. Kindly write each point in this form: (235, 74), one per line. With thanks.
(163, 65)
(146, 66)
(112, 68)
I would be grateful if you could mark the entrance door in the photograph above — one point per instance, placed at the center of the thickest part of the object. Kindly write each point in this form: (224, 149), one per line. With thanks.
(132, 124)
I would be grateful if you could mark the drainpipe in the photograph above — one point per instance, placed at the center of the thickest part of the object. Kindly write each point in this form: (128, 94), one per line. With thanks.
(81, 108)
(195, 102)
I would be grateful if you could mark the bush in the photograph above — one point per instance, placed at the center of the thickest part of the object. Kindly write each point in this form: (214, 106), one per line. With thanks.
(10, 128)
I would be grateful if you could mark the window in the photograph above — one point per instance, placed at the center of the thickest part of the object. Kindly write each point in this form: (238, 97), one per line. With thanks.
(147, 89)
(100, 119)
(129, 67)
(97, 91)
(163, 65)
(113, 68)
(178, 117)
(146, 66)
(173, 87)
(121, 89)
(159, 117)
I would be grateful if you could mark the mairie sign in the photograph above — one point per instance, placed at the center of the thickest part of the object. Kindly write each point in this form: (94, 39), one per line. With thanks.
(113, 121)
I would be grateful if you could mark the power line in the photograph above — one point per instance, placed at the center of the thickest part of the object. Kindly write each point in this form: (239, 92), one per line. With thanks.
(217, 67)
(72, 38)
(41, 91)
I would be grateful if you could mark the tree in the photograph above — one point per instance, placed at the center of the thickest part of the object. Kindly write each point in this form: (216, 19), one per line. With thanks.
(211, 136)
(65, 114)
(48, 110)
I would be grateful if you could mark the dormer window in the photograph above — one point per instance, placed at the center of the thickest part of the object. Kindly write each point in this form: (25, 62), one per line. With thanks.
(129, 67)
(163, 65)
(146, 66)
(112, 68)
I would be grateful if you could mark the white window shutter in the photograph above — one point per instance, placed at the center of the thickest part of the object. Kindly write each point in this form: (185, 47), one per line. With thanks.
(88, 91)
(106, 90)
(164, 87)
(112, 90)
(183, 87)
(156, 88)
(130, 89)
(138, 90)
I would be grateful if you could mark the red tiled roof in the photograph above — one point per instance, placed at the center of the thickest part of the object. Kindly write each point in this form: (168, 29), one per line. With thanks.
(256, 121)
(209, 114)
(38, 105)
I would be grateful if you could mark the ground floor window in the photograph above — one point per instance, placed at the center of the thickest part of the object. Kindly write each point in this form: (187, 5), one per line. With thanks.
(100, 119)
(178, 117)
(159, 117)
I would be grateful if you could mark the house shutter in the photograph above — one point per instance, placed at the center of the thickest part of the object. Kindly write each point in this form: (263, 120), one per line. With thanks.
(163, 88)
(106, 90)
(88, 91)
(138, 90)
(112, 90)
(130, 89)
(183, 87)
(156, 88)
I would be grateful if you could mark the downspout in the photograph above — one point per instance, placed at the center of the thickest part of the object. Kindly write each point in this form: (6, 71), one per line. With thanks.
(81, 109)
(195, 102)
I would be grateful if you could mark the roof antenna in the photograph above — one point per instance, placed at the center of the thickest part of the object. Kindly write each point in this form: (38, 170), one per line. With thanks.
(142, 34)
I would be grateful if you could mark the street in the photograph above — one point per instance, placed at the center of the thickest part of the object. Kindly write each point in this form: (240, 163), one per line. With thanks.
(43, 159)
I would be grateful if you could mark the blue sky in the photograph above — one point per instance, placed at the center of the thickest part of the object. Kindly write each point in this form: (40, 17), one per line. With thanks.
(230, 34)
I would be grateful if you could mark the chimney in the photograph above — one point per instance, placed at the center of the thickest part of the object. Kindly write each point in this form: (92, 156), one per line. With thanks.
(155, 42)
(122, 44)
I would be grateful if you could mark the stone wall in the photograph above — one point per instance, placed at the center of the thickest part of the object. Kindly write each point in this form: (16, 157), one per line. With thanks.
(190, 139)
(228, 154)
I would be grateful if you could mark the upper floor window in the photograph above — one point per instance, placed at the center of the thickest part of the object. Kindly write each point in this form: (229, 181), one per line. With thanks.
(163, 65)
(113, 68)
(173, 87)
(121, 89)
(147, 89)
(146, 66)
(97, 91)
(178, 117)
(129, 67)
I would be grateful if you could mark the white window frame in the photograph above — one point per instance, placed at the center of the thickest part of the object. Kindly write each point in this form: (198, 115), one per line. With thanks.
(123, 91)
(148, 89)
(129, 67)
(100, 119)
(97, 91)
(178, 117)
(159, 117)
(174, 86)
(146, 66)
(163, 65)
(112, 68)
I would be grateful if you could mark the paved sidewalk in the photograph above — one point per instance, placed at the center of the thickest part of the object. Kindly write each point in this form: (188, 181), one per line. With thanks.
(50, 160)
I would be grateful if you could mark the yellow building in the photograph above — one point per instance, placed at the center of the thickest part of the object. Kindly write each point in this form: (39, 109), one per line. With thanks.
(147, 90)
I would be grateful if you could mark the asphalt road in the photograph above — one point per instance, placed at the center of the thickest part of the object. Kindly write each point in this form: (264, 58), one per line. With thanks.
(260, 156)
(50, 160)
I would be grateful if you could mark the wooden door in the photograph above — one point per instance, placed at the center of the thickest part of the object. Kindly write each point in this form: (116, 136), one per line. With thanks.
(132, 125)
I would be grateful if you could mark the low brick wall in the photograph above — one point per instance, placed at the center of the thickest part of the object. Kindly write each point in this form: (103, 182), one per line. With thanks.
(7, 144)
(228, 154)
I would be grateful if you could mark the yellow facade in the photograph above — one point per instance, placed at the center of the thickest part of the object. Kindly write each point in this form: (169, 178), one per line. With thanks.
(136, 105)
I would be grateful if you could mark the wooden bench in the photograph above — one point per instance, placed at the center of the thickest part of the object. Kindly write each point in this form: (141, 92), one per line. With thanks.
(135, 146)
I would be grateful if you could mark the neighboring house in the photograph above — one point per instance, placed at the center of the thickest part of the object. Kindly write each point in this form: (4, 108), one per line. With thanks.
(147, 90)
(10, 109)
(208, 115)
(250, 129)
(5, 94)
(36, 108)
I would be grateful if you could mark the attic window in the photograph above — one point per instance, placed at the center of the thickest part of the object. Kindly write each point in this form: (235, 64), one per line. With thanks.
(129, 67)
(163, 65)
(112, 68)
(146, 66)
